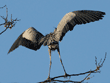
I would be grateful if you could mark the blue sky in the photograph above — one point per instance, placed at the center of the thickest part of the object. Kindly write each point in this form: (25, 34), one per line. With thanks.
(78, 48)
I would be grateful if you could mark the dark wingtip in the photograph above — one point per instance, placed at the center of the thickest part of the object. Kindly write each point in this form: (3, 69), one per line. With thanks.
(15, 44)
(8, 52)
(103, 13)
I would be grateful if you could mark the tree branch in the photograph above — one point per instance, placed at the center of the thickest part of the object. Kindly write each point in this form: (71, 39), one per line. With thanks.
(98, 66)
(7, 24)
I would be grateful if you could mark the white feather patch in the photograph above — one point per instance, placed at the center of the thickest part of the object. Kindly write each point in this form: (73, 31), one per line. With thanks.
(67, 18)
(30, 34)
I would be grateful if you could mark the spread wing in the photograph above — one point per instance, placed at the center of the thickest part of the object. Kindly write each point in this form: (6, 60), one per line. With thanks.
(29, 38)
(73, 18)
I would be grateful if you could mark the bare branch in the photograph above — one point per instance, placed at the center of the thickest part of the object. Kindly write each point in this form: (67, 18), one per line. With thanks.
(96, 61)
(104, 59)
(97, 70)
(3, 31)
(6, 14)
(3, 7)
(8, 24)
(2, 24)
(100, 64)
(86, 77)
(100, 61)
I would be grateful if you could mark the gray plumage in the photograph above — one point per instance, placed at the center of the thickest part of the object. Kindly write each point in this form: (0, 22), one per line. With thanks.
(33, 39)
(29, 38)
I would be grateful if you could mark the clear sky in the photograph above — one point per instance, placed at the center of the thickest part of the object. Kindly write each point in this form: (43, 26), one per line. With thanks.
(78, 48)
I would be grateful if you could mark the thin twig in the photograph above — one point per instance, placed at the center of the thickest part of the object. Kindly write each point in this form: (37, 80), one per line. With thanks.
(3, 7)
(86, 78)
(104, 59)
(3, 31)
(8, 24)
(96, 61)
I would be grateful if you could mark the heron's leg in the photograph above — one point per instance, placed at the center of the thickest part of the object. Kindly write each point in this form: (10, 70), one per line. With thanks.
(50, 64)
(61, 61)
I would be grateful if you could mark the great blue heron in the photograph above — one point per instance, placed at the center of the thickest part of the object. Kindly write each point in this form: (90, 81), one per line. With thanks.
(33, 39)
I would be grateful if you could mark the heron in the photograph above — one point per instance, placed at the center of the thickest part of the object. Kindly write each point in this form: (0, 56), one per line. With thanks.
(33, 39)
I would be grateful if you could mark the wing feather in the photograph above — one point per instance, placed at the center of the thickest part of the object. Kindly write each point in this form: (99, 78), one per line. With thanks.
(75, 18)
(29, 38)
(16, 43)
